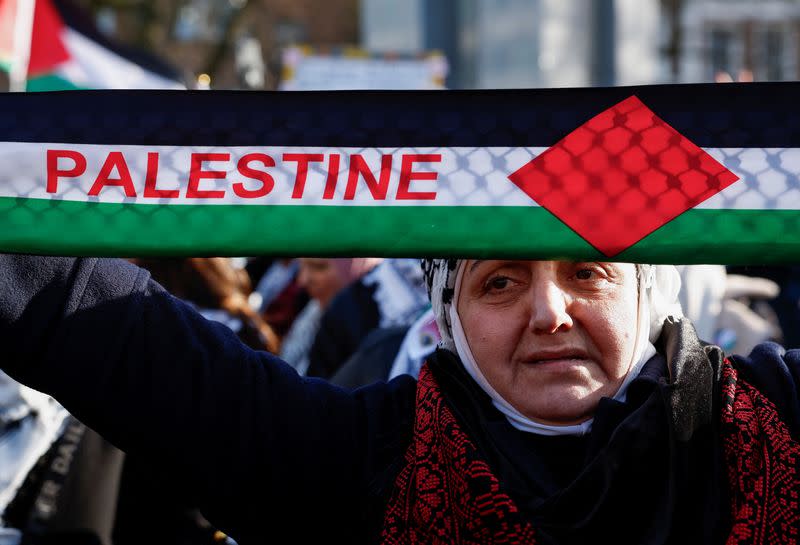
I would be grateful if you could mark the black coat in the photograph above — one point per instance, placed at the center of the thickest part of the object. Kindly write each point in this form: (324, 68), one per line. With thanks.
(262, 451)
(351, 316)
(373, 360)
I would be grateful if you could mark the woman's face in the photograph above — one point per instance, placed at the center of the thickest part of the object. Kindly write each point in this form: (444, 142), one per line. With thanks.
(551, 337)
(321, 278)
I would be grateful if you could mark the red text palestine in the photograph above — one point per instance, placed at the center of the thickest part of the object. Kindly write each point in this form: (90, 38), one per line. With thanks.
(254, 170)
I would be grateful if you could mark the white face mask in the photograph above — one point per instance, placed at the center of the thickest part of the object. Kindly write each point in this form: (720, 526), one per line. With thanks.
(643, 351)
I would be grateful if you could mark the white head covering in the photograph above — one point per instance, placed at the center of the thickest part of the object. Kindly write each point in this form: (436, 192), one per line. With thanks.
(658, 298)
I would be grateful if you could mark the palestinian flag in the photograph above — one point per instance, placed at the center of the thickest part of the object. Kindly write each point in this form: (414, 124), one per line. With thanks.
(68, 52)
(675, 174)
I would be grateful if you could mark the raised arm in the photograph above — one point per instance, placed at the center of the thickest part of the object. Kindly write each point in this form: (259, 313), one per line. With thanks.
(260, 449)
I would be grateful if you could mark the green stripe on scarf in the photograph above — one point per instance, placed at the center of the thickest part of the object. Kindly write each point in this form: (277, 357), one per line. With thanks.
(63, 227)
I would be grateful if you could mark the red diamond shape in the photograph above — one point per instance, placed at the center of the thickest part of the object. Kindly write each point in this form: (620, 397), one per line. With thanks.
(622, 175)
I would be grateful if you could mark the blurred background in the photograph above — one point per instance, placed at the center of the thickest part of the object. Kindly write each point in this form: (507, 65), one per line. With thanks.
(458, 44)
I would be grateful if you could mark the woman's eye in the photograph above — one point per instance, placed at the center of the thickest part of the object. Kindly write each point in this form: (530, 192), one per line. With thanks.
(498, 283)
(584, 274)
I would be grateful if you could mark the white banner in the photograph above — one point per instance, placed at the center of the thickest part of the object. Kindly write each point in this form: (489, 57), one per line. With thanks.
(459, 176)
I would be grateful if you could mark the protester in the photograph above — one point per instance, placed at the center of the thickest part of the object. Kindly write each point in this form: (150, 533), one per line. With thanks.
(392, 295)
(786, 305)
(278, 296)
(59, 480)
(389, 352)
(569, 403)
(218, 291)
(322, 279)
(729, 310)
(372, 361)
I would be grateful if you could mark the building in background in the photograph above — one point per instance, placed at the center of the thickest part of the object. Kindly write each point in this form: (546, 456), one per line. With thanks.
(487, 43)
(739, 40)
(525, 43)
(555, 43)
(235, 43)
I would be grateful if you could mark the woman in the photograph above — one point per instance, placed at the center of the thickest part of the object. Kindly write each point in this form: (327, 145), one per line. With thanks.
(563, 408)
(219, 292)
(322, 279)
(391, 295)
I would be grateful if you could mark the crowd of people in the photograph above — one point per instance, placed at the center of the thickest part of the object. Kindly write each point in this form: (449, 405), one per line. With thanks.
(147, 374)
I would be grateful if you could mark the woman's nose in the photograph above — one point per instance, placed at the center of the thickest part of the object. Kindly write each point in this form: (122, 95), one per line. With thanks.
(549, 307)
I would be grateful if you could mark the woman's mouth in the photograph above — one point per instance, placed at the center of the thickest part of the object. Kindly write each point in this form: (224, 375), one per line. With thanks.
(553, 358)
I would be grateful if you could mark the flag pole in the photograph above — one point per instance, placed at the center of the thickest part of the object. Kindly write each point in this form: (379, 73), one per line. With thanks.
(23, 35)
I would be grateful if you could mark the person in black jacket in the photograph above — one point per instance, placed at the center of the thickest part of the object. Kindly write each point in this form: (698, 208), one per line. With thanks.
(390, 295)
(632, 432)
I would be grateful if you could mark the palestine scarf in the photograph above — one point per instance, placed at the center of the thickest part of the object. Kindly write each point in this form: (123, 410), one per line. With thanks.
(656, 174)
